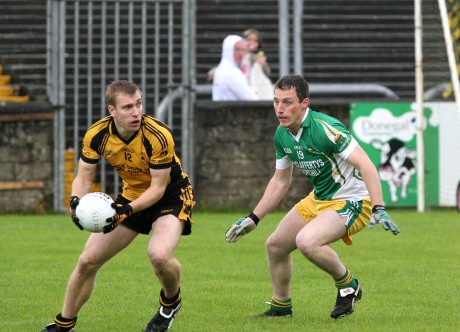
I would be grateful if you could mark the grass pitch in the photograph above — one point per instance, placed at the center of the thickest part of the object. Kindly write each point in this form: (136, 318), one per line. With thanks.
(410, 281)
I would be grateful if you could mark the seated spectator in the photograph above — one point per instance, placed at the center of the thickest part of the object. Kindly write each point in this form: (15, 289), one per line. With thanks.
(229, 81)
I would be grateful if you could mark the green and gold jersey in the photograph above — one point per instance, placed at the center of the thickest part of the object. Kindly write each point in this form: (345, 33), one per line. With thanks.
(320, 150)
(152, 147)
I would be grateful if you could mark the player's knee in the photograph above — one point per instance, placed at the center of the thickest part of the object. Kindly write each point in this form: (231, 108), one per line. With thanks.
(305, 246)
(88, 264)
(159, 259)
(273, 246)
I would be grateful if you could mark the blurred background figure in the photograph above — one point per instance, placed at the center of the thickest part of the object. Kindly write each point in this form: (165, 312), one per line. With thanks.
(229, 79)
(255, 66)
(257, 71)
(255, 51)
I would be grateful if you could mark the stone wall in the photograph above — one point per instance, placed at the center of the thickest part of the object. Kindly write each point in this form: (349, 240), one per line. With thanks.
(26, 158)
(235, 155)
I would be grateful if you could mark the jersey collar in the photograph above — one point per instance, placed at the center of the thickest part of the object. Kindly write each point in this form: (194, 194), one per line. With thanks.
(305, 123)
(114, 131)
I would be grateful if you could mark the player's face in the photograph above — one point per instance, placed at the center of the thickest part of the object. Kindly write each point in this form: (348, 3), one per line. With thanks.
(127, 114)
(289, 109)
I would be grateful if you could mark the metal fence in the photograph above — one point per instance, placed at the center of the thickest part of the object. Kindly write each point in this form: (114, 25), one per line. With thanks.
(151, 42)
(90, 44)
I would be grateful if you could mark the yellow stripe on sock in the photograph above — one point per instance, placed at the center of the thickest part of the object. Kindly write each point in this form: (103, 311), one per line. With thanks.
(66, 325)
(345, 280)
(179, 298)
(282, 304)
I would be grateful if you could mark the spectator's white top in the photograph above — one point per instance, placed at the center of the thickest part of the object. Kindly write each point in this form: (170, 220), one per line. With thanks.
(229, 81)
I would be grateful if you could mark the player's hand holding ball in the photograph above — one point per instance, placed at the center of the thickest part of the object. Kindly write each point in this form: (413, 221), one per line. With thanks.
(91, 211)
(242, 227)
(380, 216)
(74, 201)
(122, 211)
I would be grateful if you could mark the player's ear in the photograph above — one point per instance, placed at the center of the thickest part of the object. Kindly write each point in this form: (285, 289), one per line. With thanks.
(111, 109)
(306, 102)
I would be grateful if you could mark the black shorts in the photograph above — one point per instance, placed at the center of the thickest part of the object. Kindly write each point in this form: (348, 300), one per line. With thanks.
(179, 203)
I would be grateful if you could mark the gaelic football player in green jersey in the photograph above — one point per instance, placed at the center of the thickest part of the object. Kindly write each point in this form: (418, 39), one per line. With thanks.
(347, 196)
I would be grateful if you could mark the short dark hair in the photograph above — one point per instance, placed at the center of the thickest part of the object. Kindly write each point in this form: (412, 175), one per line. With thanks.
(116, 87)
(298, 82)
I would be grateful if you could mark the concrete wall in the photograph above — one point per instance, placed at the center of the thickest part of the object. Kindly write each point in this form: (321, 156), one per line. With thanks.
(26, 158)
(234, 152)
(235, 155)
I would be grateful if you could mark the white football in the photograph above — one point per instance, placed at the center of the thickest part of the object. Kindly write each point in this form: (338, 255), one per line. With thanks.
(93, 210)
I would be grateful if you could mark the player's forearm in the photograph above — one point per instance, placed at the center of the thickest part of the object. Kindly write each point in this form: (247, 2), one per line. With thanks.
(148, 198)
(273, 194)
(372, 181)
(81, 186)
(83, 181)
(360, 160)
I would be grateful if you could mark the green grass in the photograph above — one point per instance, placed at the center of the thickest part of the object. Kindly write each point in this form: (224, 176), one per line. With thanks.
(410, 281)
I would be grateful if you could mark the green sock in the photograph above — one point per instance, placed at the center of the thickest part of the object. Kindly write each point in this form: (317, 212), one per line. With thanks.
(281, 306)
(347, 280)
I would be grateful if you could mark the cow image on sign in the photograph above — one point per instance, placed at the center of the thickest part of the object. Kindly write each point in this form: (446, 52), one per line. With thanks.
(397, 165)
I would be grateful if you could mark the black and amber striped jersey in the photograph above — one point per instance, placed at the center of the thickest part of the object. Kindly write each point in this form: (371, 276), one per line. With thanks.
(152, 147)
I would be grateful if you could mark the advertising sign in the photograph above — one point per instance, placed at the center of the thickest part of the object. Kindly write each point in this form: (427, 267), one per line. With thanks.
(387, 132)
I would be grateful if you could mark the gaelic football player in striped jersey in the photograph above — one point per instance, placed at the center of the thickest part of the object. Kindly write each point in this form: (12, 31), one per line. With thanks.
(156, 199)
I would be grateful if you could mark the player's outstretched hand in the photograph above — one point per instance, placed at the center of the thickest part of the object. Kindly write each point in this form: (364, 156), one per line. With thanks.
(122, 211)
(74, 200)
(241, 227)
(380, 216)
